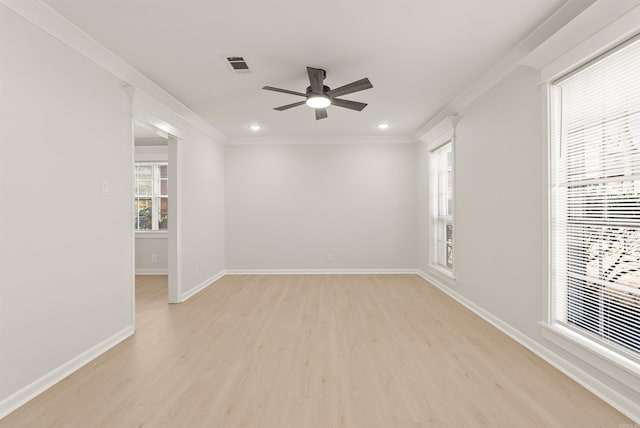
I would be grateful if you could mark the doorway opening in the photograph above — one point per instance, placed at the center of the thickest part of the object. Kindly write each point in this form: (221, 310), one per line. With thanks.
(154, 211)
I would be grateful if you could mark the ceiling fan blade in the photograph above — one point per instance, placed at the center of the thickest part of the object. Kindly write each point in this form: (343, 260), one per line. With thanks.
(321, 113)
(350, 88)
(353, 105)
(288, 106)
(316, 76)
(284, 91)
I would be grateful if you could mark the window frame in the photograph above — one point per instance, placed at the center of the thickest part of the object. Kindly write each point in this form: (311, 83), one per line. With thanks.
(620, 365)
(155, 197)
(442, 135)
(439, 240)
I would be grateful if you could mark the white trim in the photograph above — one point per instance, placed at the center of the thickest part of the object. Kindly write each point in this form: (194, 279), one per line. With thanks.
(149, 110)
(152, 271)
(341, 140)
(625, 371)
(547, 166)
(174, 242)
(160, 135)
(151, 154)
(320, 271)
(618, 401)
(45, 382)
(132, 215)
(599, 28)
(152, 234)
(442, 274)
(204, 284)
(440, 133)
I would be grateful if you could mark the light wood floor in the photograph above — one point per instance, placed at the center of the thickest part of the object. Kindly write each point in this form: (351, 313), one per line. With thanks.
(314, 351)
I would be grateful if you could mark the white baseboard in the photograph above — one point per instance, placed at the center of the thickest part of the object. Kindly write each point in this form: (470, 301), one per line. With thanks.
(152, 271)
(618, 401)
(204, 284)
(37, 387)
(319, 271)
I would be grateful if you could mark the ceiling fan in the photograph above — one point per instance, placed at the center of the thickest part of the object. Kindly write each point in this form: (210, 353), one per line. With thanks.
(319, 96)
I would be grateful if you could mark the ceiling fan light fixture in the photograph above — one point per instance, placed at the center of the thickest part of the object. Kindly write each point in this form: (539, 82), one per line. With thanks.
(319, 96)
(318, 101)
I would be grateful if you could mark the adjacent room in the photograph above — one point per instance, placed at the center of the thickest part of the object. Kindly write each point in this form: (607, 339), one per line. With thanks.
(419, 213)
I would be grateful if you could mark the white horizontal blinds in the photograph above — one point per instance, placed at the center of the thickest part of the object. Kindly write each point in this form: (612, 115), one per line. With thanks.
(596, 199)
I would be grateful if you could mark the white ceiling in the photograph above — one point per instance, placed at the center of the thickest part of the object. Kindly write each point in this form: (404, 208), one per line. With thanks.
(419, 54)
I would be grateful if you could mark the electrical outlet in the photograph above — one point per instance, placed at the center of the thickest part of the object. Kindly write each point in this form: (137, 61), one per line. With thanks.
(105, 188)
(330, 257)
(154, 258)
(197, 270)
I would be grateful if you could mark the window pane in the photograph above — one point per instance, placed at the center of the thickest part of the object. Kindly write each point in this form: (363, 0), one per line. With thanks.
(449, 189)
(142, 219)
(164, 214)
(144, 171)
(144, 187)
(442, 206)
(164, 190)
(144, 180)
(449, 239)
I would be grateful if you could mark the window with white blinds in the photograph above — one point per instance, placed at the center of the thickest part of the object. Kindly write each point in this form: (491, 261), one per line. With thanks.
(442, 207)
(595, 215)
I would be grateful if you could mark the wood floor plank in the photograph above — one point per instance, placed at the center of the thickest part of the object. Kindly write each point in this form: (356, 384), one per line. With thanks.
(314, 351)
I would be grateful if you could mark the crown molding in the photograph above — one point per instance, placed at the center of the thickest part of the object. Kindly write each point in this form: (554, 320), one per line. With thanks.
(60, 28)
(446, 127)
(510, 62)
(594, 19)
(600, 28)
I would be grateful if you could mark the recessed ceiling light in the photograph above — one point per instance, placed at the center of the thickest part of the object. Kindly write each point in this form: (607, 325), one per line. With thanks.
(383, 125)
(318, 101)
(255, 127)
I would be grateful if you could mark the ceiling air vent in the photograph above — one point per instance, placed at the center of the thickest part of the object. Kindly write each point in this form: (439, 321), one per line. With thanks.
(238, 64)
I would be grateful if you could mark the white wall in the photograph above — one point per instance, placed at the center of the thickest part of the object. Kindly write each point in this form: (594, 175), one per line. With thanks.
(202, 201)
(290, 206)
(66, 249)
(498, 201)
(148, 245)
(499, 187)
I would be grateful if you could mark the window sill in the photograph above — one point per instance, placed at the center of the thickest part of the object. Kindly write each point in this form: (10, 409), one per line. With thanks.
(625, 370)
(152, 234)
(444, 275)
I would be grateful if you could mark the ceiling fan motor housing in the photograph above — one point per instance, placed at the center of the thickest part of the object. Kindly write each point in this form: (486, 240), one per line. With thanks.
(325, 89)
